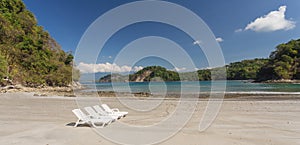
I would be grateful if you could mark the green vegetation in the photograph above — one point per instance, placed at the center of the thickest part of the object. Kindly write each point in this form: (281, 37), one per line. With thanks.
(28, 54)
(113, 78)
(154, 72)
(245, 70)
(3, 67)
(204, 74)
(284, 63)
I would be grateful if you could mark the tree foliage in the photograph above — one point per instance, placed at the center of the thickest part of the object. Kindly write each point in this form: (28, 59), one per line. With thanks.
(204, 74)
(245, 70)
(154, 73)
(3, 67)
(284, 63)
(114, 78)
(33, 57)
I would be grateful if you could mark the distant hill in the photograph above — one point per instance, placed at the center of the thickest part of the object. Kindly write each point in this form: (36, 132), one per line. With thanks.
(283, 65)
(28, 54)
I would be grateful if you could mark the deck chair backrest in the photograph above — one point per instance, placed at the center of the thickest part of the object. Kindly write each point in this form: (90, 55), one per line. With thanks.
(100, 110)
(91, 111)
(79, 114)
(106, 108)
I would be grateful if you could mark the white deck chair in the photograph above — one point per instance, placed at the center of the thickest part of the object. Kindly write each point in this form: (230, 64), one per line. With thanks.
(114, 110)
(84, 119)
(94, 114)
(102, 112)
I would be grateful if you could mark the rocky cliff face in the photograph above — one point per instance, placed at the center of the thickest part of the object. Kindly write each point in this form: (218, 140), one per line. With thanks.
(142, 77)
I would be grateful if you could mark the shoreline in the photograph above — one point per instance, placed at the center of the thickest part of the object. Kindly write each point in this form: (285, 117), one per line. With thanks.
(79, 91)
(279, 82)
(45, 91)
(78, 88)
(201, 97)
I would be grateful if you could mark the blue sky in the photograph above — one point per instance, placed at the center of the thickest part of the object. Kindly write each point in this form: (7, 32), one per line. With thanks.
(245, 29)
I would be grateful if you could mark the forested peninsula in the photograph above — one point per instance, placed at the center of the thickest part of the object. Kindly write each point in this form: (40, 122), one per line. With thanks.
(28, 54)
(283, 65)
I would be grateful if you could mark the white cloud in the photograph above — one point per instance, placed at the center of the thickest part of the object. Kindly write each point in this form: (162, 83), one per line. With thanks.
(110, 57)
(208, 67)
(179, 69)
(106, 67)
(273, 21)
(238, 30)
(197, 42)
(219, 39)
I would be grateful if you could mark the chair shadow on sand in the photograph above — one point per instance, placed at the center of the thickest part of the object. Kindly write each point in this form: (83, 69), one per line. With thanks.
(72, 124)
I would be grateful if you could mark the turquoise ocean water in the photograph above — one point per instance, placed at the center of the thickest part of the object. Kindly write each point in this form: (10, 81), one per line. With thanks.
(195, 86)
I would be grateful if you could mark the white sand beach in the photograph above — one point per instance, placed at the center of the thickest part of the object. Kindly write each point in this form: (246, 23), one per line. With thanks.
(33, 120)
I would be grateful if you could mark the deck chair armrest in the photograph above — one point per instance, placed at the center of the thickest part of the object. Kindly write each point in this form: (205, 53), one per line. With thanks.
(115, 109)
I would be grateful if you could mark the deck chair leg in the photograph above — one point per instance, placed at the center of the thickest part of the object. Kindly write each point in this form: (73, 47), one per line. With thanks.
(103, 125)
(95, 126)
(76, 124)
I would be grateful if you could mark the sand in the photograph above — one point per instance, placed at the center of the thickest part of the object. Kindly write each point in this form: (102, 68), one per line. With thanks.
(34, 120)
